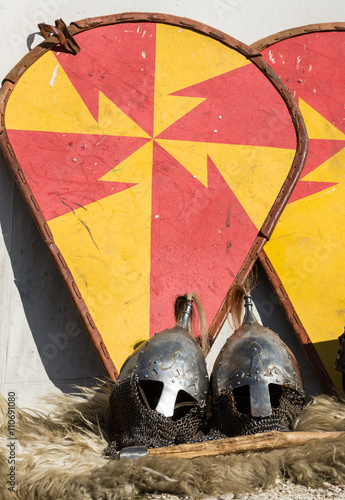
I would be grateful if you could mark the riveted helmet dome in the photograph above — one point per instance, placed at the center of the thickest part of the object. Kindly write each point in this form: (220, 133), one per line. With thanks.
(167, 364)
(160, 396)
(256, 381)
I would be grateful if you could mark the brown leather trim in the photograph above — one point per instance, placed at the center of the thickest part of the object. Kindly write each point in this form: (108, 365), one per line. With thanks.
(262, 44)
(60, 30)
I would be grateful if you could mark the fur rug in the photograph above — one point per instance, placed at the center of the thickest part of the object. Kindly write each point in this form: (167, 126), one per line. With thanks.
(59, 456)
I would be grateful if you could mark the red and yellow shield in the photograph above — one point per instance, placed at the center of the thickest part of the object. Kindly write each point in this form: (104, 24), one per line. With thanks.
(152, 165)
(307, 245)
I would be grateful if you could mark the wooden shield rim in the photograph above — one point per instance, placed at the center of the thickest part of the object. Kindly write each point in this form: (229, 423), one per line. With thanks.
(277, 285)
(264, 233)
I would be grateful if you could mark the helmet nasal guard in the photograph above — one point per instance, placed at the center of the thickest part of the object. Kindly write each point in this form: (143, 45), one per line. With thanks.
(255, 377)
(171, 372)
(160, 396)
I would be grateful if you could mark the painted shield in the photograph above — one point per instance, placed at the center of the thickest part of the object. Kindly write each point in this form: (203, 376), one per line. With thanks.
(307, 245)
(149, 163)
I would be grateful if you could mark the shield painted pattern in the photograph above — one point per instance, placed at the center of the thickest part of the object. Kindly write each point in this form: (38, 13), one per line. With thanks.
(149, 162)
(307, 245)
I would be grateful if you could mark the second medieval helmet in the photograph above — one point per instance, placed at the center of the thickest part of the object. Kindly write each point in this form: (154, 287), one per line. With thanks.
(257, 384)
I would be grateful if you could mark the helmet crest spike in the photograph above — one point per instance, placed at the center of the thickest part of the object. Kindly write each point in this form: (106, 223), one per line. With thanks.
(184, 312)
(248, 306)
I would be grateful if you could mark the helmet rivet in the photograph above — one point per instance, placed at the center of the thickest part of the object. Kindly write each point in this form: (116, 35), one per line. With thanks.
(124, 378)
(219, 363)
(173, 381)
(146, 376)
(195, 394)
(136, 366)
(277, 380)
(218, 380)
(148, 341)
(257, 379)
(238, 383)
(257, 371)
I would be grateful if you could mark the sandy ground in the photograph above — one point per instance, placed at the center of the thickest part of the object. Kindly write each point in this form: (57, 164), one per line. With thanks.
(282, 491)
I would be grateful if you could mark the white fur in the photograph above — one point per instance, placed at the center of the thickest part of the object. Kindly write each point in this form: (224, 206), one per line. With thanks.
(59, 456)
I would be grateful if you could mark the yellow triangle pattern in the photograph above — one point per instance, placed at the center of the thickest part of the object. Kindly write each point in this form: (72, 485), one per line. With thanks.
(168, 109)
(107, 247)
(192, 155)
(55, 106)
(185, 58)
(133, 168)
(255, 174)
(307, 248)
(113, 121)
(317, 126)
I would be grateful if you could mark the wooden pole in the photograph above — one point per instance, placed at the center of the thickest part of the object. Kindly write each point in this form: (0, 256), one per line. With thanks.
(242, 444)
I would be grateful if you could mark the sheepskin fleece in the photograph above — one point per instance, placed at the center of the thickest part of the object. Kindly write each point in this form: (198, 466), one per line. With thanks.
(59, 456)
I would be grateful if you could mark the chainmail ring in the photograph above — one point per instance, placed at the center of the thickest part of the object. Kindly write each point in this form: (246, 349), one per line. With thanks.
(226, 421)
(131, 423)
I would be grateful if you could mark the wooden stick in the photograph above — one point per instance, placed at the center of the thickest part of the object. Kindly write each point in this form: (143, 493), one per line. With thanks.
(242, 444)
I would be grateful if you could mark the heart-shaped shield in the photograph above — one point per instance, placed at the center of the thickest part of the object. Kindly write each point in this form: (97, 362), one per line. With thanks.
(151, 162)
(307, 246)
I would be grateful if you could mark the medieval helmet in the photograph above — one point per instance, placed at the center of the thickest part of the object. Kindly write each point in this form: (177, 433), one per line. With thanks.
(160, 396)
(257, 384)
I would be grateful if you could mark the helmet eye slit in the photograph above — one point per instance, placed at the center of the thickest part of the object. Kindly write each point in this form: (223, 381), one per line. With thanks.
(183, 404)
(242, 399)
(276, 392)
(150, 392)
